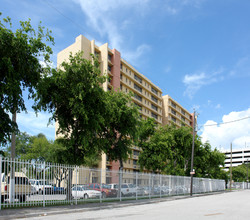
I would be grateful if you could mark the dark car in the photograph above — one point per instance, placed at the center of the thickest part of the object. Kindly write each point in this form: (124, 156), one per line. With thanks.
(104, 189)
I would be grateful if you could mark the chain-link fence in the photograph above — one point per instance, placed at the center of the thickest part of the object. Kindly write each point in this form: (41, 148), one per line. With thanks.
(238, 185)
(30, 183)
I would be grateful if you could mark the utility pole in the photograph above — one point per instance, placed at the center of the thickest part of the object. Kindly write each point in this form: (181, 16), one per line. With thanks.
(192, 158)
(231, 170)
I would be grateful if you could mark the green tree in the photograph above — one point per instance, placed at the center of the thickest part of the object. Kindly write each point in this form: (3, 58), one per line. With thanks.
(156, 154)
(120, 132)
(20, 69)
(207, 162)
(181, 148)
(239, 173)
(74, 96)
(168, 150)
(35, 148)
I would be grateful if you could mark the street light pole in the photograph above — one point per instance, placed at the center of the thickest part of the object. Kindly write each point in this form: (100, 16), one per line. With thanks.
(192, 159)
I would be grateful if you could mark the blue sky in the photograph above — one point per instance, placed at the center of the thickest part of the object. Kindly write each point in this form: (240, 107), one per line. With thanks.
(197, 51)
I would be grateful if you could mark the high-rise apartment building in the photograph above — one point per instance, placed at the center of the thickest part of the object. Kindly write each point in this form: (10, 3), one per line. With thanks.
(123, 76)
(174, 113)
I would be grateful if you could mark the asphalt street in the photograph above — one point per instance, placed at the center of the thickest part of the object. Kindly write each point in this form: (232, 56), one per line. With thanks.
(232, 205)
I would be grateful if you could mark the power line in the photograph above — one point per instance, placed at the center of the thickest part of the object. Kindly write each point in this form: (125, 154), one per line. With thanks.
(227, 122)
(72, 21)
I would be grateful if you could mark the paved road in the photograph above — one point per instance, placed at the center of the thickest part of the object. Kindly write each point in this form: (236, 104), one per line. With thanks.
(227, 206)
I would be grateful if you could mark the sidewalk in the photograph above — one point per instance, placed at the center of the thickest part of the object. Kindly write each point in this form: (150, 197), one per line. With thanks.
(54, 210)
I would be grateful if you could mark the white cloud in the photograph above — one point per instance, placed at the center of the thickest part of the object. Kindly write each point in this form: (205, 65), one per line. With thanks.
(133, 56)
(113, 19)
(221, 135)
(106, 16)
(194, 82)
(241, 68)
(218, 106)
(34, 125)
(167, 69)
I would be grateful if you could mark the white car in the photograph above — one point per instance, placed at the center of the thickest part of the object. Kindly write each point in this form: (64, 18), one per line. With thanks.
(83, 192)
(40, 185)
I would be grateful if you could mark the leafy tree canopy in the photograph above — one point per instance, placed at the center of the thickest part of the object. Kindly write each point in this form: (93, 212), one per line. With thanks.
(91, 121)
(168, 150)
(121, 126)
(239, 173)
(20, 53)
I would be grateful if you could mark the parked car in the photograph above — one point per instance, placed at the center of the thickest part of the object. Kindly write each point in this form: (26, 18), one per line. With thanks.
(104, 189)
(83, 192)
(22, 186)
(58, 190)
(128, 189)
(179, 190)
(41, 186)
(166, 190)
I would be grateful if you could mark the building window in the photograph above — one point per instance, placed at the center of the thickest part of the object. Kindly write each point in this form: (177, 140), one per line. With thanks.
(154, 90)
(182, 118)
(138, 97)
(182, 112)
(121, 76)
(120, 87)
(139, 106)
(126, 70)
(129, 82)
(173, 105)
(154, 115)
(109, 68)
(109, 57)
(154, 99)
(173, 111)
(173, 119)
(137, 87)
(136, 153)
(137, 78)
(121, 66)
(134, 162)
(154, 107)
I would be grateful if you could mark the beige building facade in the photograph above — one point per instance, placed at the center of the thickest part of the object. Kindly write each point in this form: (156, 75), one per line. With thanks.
(174, 113)
(123, 76)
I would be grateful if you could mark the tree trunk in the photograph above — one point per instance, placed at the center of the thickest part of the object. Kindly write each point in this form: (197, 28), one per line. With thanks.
(69, 185)
(120, 176)
(12, 167)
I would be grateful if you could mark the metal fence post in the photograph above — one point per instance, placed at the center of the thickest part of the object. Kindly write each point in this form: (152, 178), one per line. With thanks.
(120, 183)
(101, 187)
(44, 184)
(170, 187)
(160, 185)
(1, 182)
(136, 183)
(76, 184)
